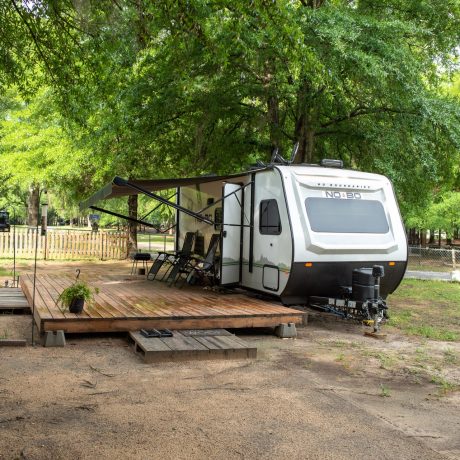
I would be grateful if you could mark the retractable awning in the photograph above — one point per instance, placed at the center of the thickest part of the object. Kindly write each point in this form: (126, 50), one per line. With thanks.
(114, 189)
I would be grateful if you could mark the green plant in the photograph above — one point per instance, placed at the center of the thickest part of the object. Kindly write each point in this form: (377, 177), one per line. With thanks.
(384, 391)
(78, 290)
(444, 385)
(450, 357)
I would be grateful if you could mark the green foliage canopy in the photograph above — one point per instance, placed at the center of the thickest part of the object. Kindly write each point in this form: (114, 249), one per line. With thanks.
(176, 88)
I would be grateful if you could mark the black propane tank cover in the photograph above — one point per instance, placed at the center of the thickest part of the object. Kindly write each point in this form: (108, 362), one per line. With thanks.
(378, 271)
(362, 284)
(363, 276)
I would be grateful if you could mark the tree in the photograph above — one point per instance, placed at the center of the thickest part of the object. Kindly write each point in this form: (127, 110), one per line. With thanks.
(188, 87)
(37, 152)
(354, 80)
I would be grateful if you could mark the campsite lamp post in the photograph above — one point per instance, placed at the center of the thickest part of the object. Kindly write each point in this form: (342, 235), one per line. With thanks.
(44, 216)
(44, 219)
(44, 204)
(14, 246)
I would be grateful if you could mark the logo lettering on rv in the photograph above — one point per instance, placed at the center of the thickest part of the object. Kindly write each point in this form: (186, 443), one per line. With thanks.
(343, 195)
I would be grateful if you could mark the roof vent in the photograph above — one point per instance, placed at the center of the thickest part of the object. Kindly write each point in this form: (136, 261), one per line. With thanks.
(327, 163)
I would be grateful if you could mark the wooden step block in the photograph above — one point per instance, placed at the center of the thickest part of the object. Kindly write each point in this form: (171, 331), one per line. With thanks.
(191, 345)
(13, 299)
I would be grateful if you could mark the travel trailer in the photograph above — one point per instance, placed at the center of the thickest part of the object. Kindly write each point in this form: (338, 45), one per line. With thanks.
(315, 235)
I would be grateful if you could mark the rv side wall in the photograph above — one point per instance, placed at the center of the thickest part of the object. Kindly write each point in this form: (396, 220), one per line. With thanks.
(272, 240)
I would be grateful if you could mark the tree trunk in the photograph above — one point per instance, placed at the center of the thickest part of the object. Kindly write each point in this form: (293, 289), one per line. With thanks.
(431, 240)
(33, 203)
(274, 121)
(305, 136)
(423, 237)
(132, 226)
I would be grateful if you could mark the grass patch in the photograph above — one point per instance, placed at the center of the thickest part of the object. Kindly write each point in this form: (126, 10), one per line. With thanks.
(444, 385)
(450, 357)
(5, 334)
(154, 238)
(429, 309)
(384, 391)
(4, 272)
(430, 332)
(387, 361)
(421, 356)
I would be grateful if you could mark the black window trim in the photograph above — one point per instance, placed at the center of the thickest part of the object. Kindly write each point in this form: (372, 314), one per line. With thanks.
(263, 228)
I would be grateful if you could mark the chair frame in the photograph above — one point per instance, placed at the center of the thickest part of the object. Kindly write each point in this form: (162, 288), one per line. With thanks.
(203, 267)
(171, 257)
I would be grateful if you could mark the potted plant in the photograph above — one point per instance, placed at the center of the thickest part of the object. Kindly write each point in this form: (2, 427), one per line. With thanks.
(75, 296)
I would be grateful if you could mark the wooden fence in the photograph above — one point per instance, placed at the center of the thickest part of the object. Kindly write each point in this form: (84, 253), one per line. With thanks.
(63, 244)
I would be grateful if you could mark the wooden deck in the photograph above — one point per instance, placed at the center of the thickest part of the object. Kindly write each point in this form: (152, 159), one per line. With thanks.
(126, 303)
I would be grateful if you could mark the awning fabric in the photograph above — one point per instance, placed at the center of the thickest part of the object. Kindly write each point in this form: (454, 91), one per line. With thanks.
(111, 190)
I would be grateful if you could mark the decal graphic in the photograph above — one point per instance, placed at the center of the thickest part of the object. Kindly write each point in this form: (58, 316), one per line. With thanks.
(342, 195)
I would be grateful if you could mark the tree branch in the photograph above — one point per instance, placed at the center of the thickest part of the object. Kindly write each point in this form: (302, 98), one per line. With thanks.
(359, 111)
(35, 40)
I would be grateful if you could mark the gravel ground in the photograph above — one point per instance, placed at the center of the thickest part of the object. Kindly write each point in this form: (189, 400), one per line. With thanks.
(96, 399)
(332, 393)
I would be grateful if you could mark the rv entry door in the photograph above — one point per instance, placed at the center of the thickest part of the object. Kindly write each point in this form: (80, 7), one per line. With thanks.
(230, 261)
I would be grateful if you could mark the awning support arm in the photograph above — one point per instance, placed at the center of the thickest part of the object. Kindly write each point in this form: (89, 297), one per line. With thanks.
(157, 206)
(124, 183)
(121, 216)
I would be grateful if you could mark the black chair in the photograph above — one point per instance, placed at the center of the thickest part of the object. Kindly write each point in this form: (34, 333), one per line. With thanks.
(171, 257)
(198, 271)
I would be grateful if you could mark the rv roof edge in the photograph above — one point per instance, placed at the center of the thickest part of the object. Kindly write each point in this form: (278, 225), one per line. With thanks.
(331, 163)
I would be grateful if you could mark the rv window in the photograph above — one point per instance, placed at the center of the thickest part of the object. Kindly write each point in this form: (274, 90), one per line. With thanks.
(346, 216)
(270, 222)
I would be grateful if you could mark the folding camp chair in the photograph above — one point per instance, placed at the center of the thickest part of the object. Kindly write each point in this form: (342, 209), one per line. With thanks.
(197, 270)
(171, 257)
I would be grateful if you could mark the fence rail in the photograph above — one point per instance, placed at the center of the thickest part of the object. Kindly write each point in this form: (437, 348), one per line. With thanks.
(63, 244)
(436, 259)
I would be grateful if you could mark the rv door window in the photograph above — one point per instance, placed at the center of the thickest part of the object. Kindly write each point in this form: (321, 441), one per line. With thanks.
(270, 222)
(330, 215)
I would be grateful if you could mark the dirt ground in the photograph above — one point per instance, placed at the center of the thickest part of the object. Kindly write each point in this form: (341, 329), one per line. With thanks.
(332, 393)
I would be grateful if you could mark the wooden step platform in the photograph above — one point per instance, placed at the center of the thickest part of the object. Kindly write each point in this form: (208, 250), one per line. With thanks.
(13, 300)
(130, 303)
(189, 345)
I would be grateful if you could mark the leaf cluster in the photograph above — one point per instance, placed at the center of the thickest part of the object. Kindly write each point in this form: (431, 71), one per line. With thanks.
(78, 290)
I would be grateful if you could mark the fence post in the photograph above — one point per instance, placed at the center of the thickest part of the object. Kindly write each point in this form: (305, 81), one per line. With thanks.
(453, 259)
(102, 245)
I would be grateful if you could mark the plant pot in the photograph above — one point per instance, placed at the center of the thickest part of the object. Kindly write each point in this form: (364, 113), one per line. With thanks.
(76, 306)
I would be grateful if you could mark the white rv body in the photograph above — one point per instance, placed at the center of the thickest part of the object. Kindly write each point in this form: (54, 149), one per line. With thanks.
(299, 231)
